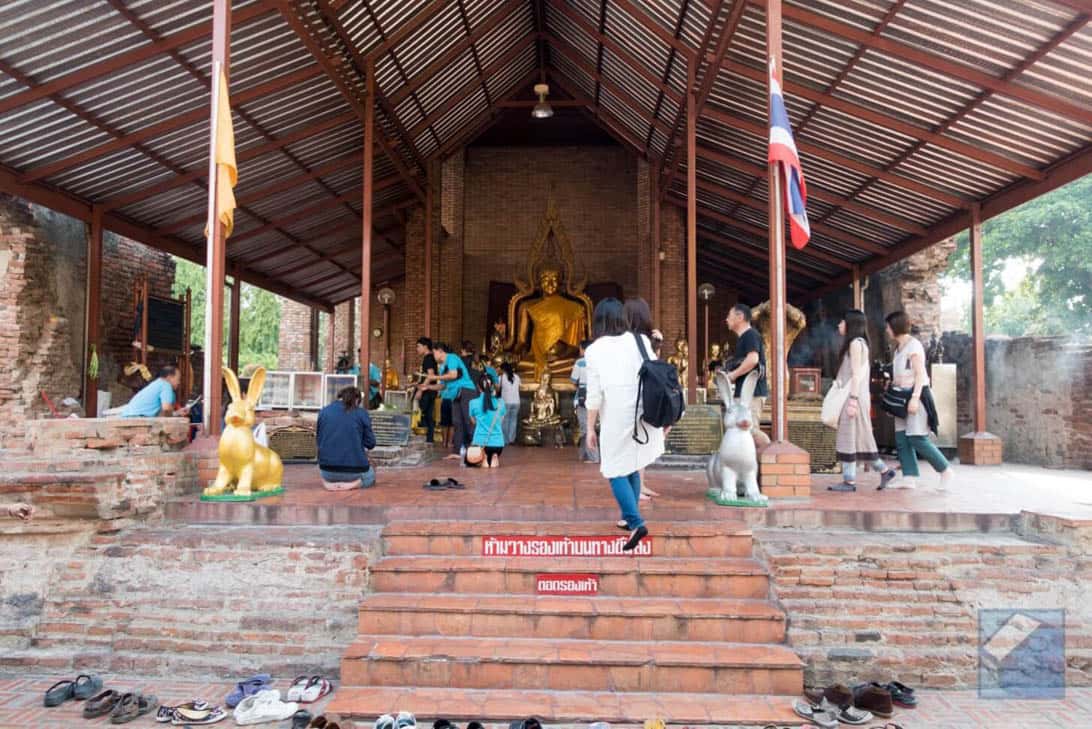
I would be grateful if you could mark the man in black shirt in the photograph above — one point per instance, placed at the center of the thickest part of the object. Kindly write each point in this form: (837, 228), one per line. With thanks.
(749, 354)
(427, 395)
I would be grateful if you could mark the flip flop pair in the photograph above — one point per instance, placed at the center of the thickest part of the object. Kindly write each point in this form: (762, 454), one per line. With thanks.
(306, 690)
(84, 687)
(438, 485)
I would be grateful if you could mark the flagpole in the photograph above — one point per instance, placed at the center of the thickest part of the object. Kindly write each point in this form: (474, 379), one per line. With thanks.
(215, 249)
(777, 244)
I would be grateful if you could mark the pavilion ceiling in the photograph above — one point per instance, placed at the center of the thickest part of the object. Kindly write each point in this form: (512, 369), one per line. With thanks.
(907, 113)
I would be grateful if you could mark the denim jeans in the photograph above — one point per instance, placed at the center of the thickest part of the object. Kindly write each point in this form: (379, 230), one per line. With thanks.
(627, 491)
(911, 446)
(367, 478)
(510, 424)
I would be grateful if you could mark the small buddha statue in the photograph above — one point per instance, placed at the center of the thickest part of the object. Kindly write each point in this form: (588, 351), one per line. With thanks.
(713, 358)
(543, 405)
(680, 358)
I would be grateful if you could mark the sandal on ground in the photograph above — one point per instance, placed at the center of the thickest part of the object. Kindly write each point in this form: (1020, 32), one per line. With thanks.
(475, 725)
(453, 483)
(384, 722)
(299, 683)
(132, 706)
(319, 722)
(902, 695)
(844, 486)
(301, 719)
(101, 705)
(405, 719)
(184, 716)
(264, 706)
(315, 689)
(435, 485)
(249, 687)
(848, 714)
(86, 686)
(166, 713)
(815, 714)
(59, 693)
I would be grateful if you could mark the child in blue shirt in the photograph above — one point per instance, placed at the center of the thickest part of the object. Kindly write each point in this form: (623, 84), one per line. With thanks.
(487, 412)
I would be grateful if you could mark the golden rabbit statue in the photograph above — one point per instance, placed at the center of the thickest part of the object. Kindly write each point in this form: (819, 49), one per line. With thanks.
(244, 464)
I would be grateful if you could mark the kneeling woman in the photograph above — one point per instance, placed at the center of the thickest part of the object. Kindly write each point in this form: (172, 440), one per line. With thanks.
(344, 437)
(487, 412)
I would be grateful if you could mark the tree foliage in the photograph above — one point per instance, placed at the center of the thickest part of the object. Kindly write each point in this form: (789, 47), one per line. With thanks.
(259, 316)
(1052, 234)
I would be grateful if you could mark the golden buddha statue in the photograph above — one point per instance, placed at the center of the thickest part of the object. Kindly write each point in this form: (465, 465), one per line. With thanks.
(551, 327)
(680, 359)
(550, 313)
(795, 322)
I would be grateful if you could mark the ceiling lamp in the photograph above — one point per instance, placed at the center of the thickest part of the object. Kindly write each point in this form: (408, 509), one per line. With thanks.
(542, 109)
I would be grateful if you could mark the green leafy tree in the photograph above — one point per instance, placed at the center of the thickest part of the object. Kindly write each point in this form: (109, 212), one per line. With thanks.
(259, 316)
(1053, 234)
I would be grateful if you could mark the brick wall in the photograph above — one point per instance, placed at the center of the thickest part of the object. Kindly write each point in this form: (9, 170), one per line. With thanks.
(447, 302)
(43, 258)
(294, 346)
(1038, 397)
(877, 607)
(595, 190)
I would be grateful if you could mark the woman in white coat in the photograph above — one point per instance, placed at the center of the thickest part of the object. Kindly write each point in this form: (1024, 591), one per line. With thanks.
(614, 361)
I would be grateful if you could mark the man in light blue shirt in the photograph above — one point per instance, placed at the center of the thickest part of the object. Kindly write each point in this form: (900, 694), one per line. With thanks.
(156, 399)
(375, 376)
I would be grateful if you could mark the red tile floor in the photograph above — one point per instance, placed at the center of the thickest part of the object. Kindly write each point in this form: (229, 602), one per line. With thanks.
(552, 484)
(21, 708)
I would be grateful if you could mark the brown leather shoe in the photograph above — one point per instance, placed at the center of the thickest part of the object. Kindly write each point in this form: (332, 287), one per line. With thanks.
(874, 698)
(838, 694)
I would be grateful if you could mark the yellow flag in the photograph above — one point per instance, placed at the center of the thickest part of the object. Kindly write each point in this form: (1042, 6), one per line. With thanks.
(226, 173)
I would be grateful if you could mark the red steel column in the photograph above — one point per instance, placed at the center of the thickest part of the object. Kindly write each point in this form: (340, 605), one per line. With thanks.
(655, 193)
(777, 374)
(429, 202)
(978, 327)
(366, 246)
(216, 249)
(94, 305)
(233, 324)
(691, 230)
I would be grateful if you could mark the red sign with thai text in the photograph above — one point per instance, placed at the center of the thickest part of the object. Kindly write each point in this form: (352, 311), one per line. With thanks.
(553, 546)
(567, 584)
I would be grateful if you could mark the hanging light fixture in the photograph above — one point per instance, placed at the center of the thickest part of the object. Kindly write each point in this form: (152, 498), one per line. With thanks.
(542, 109)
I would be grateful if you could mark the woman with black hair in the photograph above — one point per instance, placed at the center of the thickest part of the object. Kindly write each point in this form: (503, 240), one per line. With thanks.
(614, 360)
(344, 435)
(488, 414)
(855, 441)
(509, 391)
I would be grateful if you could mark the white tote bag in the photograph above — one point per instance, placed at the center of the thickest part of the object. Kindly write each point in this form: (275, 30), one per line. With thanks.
(833, 403)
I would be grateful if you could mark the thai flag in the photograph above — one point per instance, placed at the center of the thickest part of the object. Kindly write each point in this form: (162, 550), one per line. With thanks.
(783, 152)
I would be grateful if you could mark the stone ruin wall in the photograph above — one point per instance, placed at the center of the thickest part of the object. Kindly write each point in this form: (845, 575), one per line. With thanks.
(43, 269)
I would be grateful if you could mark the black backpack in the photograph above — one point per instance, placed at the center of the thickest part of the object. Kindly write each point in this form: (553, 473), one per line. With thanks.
(659, 392)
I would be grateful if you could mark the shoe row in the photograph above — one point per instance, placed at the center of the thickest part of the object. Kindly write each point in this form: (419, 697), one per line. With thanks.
(855, 706)
(121, 706)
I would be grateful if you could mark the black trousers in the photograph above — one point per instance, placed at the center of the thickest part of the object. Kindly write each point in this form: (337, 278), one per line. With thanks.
(460, 415)
(428, 412)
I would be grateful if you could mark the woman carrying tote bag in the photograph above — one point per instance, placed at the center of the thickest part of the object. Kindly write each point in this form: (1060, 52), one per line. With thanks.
(855, 441)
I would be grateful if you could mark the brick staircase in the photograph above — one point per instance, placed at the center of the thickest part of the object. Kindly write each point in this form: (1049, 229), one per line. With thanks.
(453, 630)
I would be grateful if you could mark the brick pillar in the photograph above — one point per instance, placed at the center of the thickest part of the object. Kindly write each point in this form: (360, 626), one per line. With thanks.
(784, 470)
(645, 251)
(673, 276)
(447, 269)
(294, 350)
(414, 310)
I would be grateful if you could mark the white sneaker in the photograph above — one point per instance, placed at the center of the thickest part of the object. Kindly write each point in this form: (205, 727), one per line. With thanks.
(904, 483)
(946, 477)
(262, 707)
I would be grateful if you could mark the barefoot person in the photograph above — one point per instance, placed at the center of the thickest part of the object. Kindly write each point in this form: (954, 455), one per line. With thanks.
(458, 391)
(344, 434)
(18, 510)
(614, 361)
(487, 412)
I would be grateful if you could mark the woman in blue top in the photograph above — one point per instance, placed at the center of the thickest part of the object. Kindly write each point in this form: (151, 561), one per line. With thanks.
(459, 390)
(487, 412)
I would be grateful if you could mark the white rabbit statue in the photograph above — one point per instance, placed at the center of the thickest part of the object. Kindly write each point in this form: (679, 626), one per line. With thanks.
(735, 461)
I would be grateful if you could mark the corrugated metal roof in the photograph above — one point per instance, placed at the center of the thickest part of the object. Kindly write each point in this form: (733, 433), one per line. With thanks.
(906, 111)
